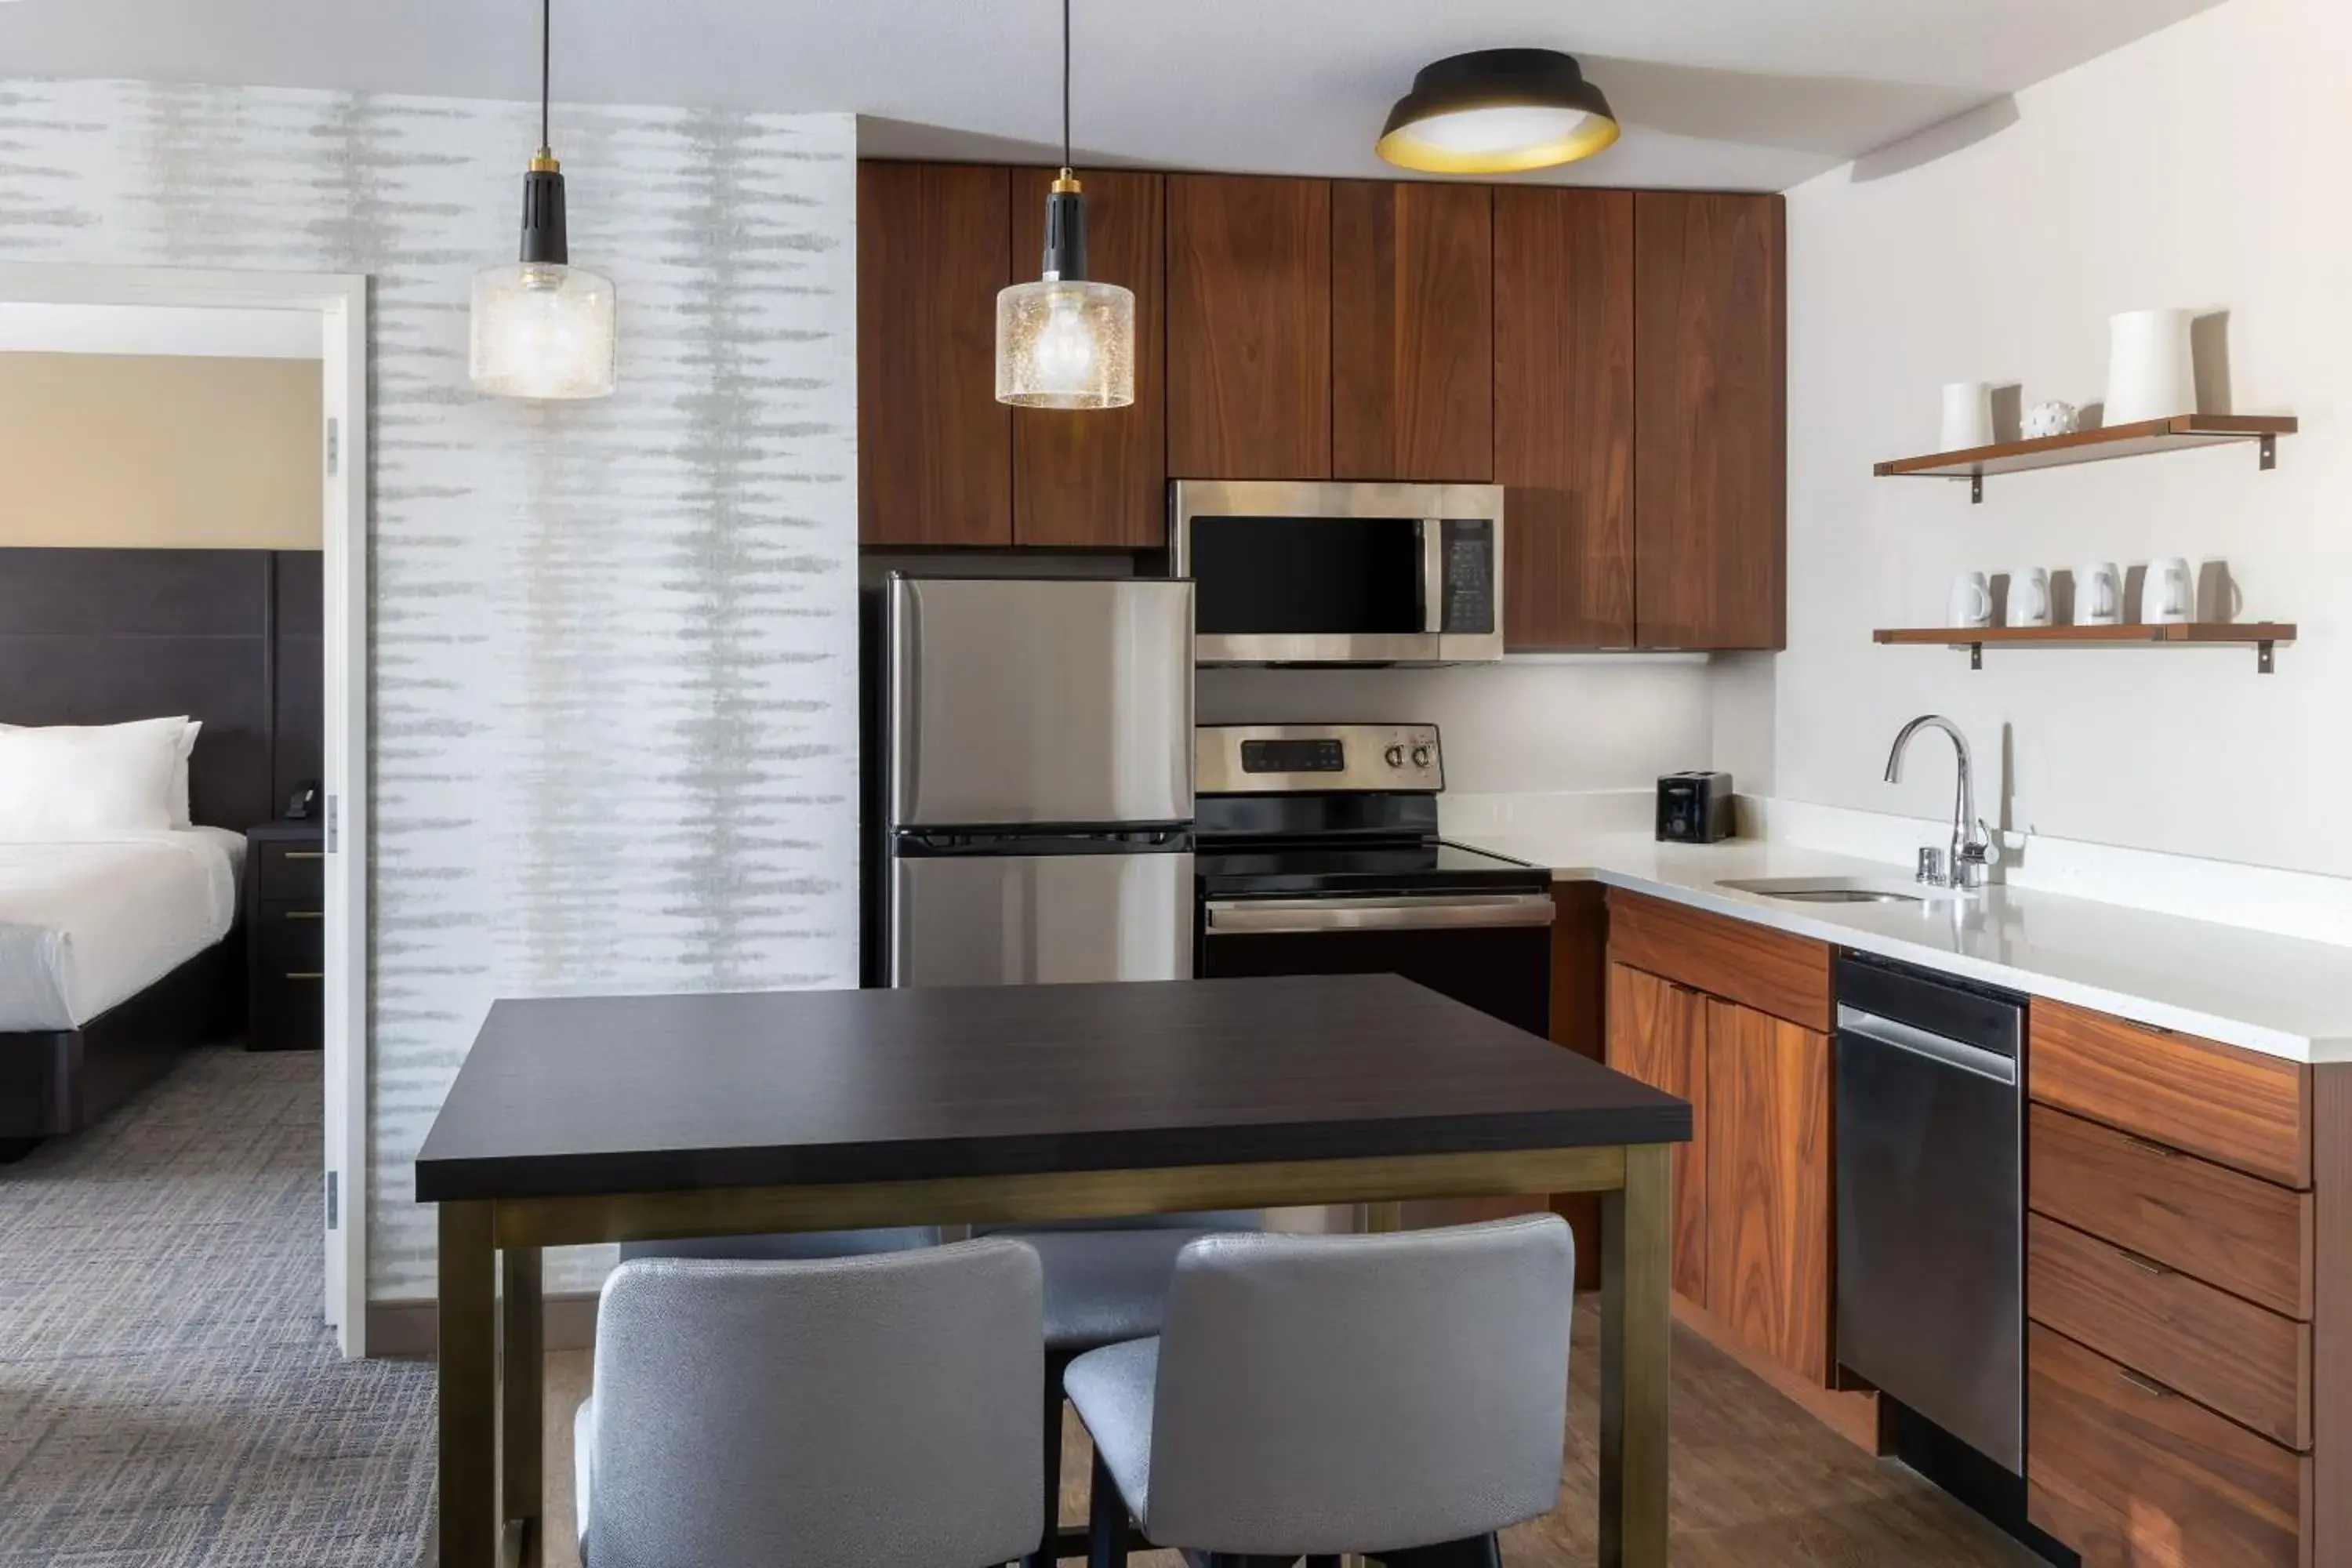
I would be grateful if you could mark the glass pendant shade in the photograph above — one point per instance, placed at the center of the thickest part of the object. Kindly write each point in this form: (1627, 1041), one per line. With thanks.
(1497, 112)
(1065, 343)
(542, 331)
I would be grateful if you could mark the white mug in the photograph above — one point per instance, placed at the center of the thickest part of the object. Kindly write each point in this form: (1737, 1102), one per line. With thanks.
(1972, 601)
(1967, 415)
(2098, 594)
(2029, 596)
(2167, 595)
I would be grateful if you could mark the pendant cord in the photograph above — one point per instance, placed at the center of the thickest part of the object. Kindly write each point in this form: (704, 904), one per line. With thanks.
(1065, 83)
(546, 60)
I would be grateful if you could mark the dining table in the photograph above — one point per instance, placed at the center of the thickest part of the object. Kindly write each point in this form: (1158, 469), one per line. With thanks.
(607, 1119)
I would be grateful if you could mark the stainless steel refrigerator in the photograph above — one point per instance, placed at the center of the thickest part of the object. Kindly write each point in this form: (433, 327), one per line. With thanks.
(1038, 802)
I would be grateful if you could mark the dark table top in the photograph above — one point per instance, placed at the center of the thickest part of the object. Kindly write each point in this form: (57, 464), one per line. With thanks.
(607, 1094)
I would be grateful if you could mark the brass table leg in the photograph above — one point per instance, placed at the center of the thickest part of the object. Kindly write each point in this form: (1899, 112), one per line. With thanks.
(1636, 1352)
(467, 1369)
(522, 1365)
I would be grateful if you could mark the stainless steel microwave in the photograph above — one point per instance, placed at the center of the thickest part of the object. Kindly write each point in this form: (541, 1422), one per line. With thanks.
(1311, 572)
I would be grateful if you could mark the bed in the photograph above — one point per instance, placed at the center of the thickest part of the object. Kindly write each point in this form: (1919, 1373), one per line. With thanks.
(120, 947)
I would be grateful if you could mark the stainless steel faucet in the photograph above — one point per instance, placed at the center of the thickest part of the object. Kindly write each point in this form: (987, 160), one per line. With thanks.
(1973, 850)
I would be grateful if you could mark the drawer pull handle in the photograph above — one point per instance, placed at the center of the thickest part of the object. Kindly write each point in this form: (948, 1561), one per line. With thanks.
(306, 974)
(2144, 1264)
(306, 855)
(306, 914)
(2149, 1146)
(2153, 1390)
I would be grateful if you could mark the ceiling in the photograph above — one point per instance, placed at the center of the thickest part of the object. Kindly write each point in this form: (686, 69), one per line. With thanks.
(1736, 94)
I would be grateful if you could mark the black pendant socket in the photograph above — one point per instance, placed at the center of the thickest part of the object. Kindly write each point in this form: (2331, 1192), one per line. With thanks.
(1065, 236)
(543, 236)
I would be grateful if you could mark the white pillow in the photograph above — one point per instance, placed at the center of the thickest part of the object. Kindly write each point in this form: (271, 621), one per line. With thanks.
(68, 779)
(179, 817)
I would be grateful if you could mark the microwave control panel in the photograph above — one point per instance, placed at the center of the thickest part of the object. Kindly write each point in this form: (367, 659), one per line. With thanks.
(1469, 576)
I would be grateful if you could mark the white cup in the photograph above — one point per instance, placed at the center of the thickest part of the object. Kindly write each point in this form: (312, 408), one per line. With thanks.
(2151, 369)
(2167, 593)
(2029, 596)
(1972, 601)
(1967, 415)
(2098, 594)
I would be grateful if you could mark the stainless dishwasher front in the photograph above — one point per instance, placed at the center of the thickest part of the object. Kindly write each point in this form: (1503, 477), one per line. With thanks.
(1931, 1199)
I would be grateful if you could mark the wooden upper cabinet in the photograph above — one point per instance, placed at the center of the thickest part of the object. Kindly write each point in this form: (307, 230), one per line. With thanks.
(934, 447)
(1657, 1032)
(1710, 399)
(1412, 331)
(1099, 476)
(1249, 327)
(1769, 1268)
(1564, 414)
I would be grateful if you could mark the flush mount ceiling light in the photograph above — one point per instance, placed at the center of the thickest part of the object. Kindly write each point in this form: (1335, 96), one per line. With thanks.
(1065, 341)
(542, 327)
(1497, 112)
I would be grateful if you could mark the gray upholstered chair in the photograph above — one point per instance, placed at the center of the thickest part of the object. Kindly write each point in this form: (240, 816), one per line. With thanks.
(1402, 1396)
(869, 1412)
(1106, 1281)
(797, 1247)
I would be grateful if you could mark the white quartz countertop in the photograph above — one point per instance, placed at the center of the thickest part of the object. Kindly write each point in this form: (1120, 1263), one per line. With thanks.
(2283, 996)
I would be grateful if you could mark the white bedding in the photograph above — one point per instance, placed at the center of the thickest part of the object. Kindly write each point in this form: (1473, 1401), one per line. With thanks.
(86, 923)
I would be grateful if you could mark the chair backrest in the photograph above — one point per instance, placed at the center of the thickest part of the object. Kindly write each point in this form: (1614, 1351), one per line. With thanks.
(798, 1246)
(1325, 1393)
(875, 1411)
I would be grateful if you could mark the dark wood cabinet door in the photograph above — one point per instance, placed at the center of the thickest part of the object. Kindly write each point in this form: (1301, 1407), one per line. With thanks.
(1249, 327)
(1710, 394)
(1099, 476)
(1767, 1173)
(1412, 331)
(934, 447)
(1657, 1032)
(1564, 414)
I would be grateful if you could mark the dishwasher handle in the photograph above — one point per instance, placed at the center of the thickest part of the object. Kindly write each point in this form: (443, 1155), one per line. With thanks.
(1918, 1042)
(1271, 917)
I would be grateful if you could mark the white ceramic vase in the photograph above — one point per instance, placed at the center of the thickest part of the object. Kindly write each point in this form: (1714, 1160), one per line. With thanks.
(2151, 372)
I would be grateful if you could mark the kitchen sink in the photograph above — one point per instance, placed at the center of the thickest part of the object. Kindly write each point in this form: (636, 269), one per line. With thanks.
(1841, 891)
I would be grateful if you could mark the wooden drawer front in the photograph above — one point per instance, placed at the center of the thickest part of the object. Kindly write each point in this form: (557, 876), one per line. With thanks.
(2133, 1476)
(2236, 1106)
(288, 940)
(2248, 1236)
(1769, 970)
(296, 872)
(2250, 1364)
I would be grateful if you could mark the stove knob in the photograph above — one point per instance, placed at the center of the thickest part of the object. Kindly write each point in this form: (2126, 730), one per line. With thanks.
(1420, 756)
(1396, 756)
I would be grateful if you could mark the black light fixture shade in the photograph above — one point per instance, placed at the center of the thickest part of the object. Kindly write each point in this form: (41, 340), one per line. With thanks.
(1497, 112)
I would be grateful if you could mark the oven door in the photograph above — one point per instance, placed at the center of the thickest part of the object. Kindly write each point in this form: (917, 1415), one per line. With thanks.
(1309, 573)
(1492, 950)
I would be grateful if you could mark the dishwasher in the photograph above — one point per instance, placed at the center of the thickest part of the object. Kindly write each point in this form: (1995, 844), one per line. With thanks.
(1931, 1199)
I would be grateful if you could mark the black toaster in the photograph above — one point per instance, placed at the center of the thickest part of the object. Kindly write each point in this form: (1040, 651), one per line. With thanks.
(1694, 807)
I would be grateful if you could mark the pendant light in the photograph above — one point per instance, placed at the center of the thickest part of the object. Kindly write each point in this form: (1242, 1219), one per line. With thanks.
(1065, 341)
(542, 328)
(1497, 112)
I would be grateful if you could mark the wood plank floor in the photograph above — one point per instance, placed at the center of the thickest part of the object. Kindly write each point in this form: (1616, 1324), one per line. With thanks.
(1757, 1482)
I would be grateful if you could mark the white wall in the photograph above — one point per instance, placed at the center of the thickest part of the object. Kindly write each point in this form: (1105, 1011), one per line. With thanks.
(2198, 168)
(1607, 721)
(613, 645)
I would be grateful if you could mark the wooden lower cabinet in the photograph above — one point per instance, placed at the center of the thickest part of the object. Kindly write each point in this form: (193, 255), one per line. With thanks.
(2132, 1475)
(1657, 1032)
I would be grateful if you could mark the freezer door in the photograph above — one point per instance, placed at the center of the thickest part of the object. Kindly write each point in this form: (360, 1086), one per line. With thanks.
(1027, 919)
(1035, 703)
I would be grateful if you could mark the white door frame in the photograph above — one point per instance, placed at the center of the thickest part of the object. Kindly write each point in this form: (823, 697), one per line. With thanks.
(340, 300)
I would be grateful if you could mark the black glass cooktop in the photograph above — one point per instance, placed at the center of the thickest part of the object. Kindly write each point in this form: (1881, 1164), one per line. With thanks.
(1429, 865)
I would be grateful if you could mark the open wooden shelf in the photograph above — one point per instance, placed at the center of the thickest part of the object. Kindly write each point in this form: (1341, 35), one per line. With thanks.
(2261, 635)
(2178, 433)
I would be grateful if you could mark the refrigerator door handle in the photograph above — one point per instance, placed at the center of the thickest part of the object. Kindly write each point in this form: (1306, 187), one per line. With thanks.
(1270, 916)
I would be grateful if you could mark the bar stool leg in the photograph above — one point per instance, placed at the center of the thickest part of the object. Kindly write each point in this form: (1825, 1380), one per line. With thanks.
(1046, 1554)
(1106, 1519)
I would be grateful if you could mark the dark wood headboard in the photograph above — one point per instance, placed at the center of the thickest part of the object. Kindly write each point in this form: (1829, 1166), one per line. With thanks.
(233, 637)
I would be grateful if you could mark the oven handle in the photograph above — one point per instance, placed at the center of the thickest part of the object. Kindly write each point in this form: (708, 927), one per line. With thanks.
(1273, 917)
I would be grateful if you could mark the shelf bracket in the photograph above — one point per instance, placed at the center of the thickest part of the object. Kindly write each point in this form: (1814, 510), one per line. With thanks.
(2269, 461)
(1976, 656)
(1976, 490)
(2262, 661)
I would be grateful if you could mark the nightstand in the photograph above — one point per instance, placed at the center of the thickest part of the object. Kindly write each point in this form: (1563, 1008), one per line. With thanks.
(285, 936)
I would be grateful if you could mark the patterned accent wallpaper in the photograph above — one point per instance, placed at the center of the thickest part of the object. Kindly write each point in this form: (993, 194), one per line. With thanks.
(615, 655)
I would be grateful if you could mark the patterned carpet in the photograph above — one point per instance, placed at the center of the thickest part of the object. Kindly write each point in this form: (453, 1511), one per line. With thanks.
(168, 1394)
